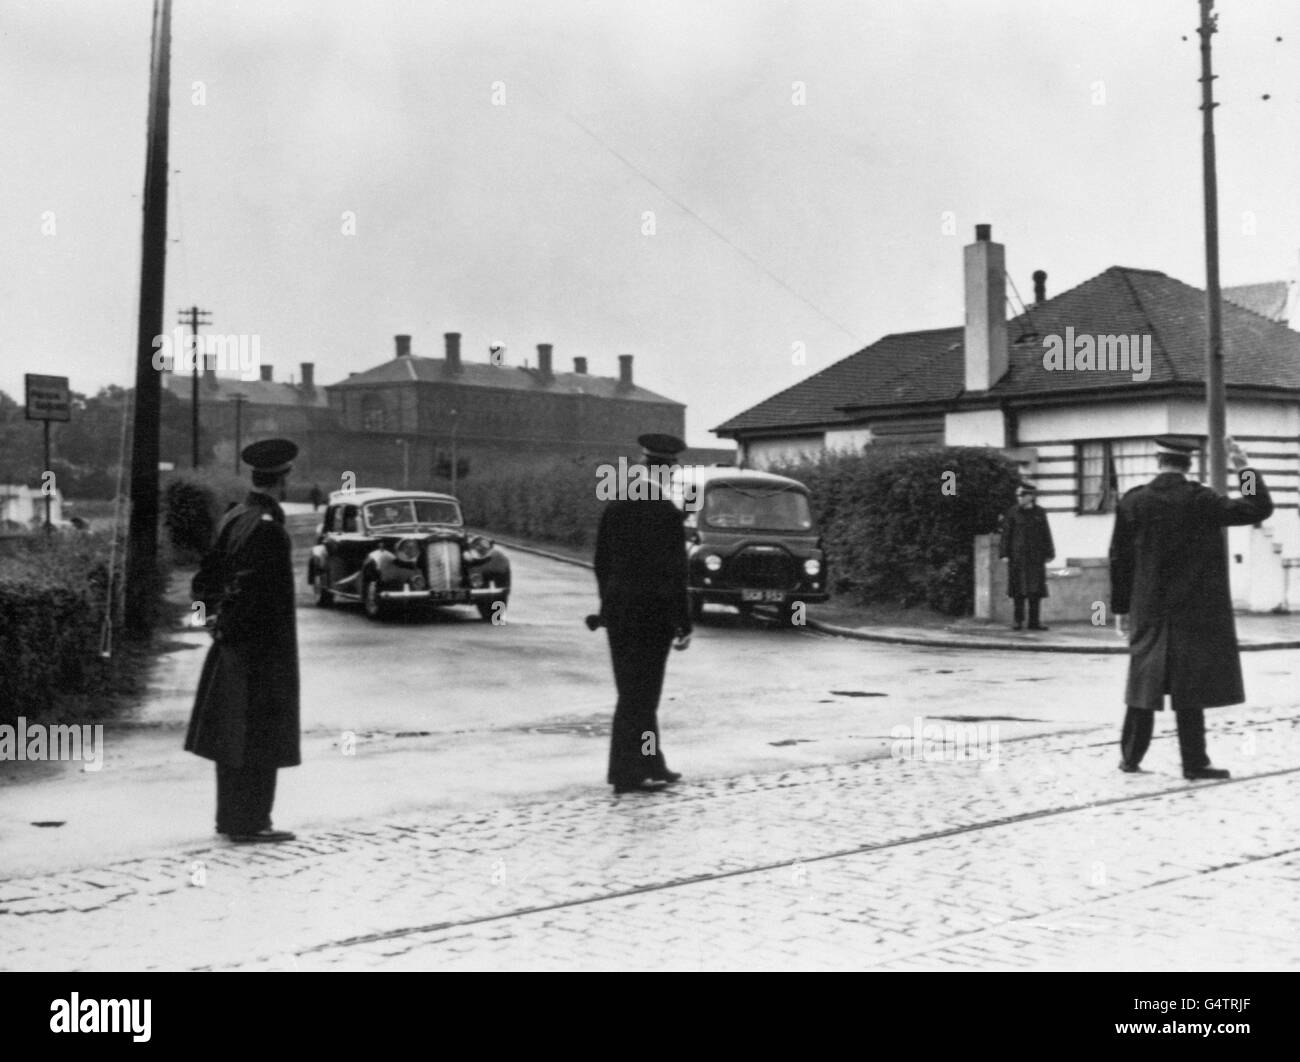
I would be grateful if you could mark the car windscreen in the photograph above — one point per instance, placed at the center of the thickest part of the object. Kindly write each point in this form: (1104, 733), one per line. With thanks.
(728, 505)
(406, 512)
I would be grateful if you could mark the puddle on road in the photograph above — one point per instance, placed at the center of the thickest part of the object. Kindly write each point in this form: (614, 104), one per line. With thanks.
(858, 693)
(596, 726)
(792, 741)
(987, 719)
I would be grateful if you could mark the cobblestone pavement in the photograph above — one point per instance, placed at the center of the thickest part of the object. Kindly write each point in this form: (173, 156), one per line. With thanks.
(1043, 856)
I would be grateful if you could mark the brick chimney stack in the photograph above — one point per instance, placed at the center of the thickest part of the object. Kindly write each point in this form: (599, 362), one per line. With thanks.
(403, 346)
(986, 314)
(452, 341)
(625, 371)
(580, 366)
(1040, 286)
(544, 362)
(266, 373)
(308, 375)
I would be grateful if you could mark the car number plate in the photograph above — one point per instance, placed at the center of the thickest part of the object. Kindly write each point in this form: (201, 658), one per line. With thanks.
(445, 595)
(762, 595)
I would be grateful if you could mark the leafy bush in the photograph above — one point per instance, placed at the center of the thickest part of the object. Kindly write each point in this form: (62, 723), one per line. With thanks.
(899, 523)
(193, 502)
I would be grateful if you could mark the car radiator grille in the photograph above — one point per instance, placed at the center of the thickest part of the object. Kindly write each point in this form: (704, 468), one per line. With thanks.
(443, 562)
(763, 569)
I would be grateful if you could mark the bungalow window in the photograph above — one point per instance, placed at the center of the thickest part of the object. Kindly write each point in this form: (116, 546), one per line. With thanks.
(1109, 468)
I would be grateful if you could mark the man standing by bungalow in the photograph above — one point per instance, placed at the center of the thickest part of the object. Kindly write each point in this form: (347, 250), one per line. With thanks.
(1169, 590)
(1027, 546)
(640, 567)
(246, 709)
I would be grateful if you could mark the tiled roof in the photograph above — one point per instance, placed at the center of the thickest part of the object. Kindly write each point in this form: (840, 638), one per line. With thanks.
(501, 377)
(927, 367)
(256, 392)
(1268, 299)
(874, 370)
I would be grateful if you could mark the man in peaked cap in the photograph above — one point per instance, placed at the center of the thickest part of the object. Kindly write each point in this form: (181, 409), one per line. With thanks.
(1169, 588)
(246, 709)
(641, 573)
(1026, 544)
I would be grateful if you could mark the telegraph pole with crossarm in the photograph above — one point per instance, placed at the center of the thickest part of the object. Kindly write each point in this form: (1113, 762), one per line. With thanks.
(195, 317)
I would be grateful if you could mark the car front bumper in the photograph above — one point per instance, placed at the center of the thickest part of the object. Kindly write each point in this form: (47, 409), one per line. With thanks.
(444, 597)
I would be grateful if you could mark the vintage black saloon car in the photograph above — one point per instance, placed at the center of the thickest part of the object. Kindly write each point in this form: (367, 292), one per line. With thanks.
(751, 540)
(386, 548)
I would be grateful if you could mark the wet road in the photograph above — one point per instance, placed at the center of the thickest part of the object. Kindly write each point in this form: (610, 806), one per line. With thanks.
(445, 711)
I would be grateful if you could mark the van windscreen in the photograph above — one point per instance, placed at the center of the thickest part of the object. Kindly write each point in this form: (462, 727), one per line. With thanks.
(729, 506)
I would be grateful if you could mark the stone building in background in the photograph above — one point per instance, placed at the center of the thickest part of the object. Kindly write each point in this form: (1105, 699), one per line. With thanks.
(405, 421)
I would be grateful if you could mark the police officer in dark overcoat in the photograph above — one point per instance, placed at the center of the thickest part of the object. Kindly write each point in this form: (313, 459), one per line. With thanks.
(246, 710)
(641, 573)
(1027, 547)
(1169, 588)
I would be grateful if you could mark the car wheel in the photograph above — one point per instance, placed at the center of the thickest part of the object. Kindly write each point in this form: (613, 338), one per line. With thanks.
(324, 597)
(370, 599)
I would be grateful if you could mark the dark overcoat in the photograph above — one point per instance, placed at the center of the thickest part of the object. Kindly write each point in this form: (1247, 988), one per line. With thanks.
(246, 709)
(640, 567)
(1169, 574)
(1027, 545)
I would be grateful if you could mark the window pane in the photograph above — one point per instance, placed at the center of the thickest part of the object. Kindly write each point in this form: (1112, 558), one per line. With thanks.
(1135, 463)
(1091, 483)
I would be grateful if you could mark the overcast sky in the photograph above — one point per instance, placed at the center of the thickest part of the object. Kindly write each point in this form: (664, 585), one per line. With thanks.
(1072, 128)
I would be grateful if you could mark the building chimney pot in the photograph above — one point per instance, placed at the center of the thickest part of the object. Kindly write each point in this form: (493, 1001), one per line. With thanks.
(625, 370)
(1040, 286)
(308, 374)
(986, 315)
(266, 373)
(580, 366)
(544, 360)
(403, 346)
(452, 341)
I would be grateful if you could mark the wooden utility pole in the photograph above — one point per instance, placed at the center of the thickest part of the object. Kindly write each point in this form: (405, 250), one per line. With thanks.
(195, 315)
(142, 535)
(1215, 416)
(238, 398)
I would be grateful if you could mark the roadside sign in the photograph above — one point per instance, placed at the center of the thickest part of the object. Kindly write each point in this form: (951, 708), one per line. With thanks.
(48, 397)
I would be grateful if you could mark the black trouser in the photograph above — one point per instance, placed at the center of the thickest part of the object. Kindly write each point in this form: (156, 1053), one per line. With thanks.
(1019, 606)
(244, 798)
(1136, 737)
(639, 661)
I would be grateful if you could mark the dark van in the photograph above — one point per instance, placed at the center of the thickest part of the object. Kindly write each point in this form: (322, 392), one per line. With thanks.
(751, 539)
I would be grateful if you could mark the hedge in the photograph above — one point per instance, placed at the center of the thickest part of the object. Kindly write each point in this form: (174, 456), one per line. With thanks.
(899, 523)
(52, 608)
(552, 502)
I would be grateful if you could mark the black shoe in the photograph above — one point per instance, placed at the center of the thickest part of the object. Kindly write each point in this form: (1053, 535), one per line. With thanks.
(646, 785)
(667, 776)
(266, 836)
(1129, 768)
(1206, 774)
(1016, 626)
(1038, 627)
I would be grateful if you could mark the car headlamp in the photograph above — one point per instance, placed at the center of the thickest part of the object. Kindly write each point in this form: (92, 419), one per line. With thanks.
(713, 562)
(812, 566)
(408, 550)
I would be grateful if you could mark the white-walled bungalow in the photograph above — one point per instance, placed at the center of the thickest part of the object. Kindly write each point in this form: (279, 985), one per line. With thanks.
(1073, 388)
